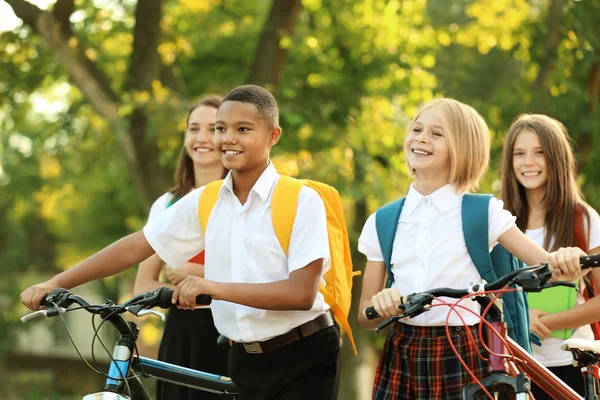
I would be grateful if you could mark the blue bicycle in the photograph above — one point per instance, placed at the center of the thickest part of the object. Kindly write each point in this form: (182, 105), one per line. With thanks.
(126, 367)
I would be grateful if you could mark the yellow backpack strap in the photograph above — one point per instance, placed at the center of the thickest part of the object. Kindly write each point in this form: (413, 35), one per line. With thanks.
(208, 199)
(283, 209)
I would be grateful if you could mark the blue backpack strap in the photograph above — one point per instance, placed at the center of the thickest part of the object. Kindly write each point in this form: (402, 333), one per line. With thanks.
(475, 210)
(386, 223)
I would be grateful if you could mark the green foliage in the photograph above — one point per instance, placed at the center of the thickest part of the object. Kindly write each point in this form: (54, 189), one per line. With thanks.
(354, 75)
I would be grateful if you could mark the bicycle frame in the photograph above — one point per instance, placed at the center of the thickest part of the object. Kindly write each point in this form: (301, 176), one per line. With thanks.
(123, 362)
(500, 367)
(163, 371)
(541, 375)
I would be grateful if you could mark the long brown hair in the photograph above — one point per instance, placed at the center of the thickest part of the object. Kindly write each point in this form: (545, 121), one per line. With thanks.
(562, 198)
(184, 176)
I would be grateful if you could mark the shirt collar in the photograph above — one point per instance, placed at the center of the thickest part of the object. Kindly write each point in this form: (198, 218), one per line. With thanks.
(263, 185)
(445, 198)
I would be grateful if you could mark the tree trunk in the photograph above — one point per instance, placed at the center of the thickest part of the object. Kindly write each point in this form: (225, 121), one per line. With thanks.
(270, 56)
(145, 68)
(357, 371)
(547, 62)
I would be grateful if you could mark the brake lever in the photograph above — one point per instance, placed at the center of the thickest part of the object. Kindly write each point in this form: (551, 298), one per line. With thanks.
(140, 310)
(135, 310)
(388, 322)
(33, 315)
(533, 281)
(416, 305)
(560, 283)
(51, 312)
(143, 313)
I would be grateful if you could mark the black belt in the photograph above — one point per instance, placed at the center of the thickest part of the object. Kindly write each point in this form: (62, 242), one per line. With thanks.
(308, 328)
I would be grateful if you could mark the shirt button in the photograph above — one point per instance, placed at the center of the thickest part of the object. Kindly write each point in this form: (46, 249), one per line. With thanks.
(422, 264)
(426, 200)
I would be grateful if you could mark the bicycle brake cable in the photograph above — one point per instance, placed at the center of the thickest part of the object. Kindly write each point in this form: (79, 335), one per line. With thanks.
(113, 361)
(60, 313)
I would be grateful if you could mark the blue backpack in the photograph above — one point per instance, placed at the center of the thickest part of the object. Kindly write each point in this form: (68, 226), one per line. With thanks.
(492, 265)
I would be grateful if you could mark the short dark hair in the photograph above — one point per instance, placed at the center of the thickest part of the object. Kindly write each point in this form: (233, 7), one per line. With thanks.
(262, 99)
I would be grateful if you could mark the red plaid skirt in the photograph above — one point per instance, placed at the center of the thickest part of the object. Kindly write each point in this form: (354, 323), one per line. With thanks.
(417, 362)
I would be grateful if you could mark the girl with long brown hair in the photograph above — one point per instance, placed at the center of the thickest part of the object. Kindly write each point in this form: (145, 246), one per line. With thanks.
(539, 187)
(189, 337)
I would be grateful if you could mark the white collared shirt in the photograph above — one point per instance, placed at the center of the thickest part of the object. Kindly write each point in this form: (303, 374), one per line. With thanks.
(429, 249)
(242, 247)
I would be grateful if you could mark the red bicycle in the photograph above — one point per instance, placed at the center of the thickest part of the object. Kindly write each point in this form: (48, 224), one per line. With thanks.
(510, 368)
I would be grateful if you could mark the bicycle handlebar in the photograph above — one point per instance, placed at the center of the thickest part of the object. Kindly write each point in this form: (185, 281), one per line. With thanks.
(160, 297)
(530, 279)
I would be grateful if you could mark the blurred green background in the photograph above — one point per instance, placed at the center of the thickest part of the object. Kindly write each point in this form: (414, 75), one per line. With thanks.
(93, 96)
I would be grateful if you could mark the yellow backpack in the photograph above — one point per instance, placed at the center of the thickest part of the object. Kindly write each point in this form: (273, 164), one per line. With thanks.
(337, 290)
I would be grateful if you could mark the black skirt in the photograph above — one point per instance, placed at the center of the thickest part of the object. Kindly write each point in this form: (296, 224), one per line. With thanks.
(190, 340)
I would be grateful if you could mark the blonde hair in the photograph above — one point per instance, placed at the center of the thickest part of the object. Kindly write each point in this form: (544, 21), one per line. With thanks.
(468, 141)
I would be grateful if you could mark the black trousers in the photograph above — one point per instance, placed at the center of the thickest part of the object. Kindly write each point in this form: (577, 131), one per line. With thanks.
(568, 374)
(305, 369)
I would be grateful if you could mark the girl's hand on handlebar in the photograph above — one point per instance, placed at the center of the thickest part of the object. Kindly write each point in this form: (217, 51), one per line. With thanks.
(566, 263)
(176, 275)
(31, 297)
(387, 302)
(186, 291)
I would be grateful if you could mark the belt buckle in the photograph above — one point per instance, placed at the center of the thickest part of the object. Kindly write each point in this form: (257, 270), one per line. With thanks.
(253, 348)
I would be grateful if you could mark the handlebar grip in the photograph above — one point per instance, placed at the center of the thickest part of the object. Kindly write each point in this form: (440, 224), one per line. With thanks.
(592, 261)
(203, 299)
(370, 312)
(165, 294)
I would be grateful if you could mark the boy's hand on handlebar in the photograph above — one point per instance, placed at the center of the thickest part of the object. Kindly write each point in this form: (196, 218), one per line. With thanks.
(387, 302)
(566, 263)
(186, 291)
(31, 297)
(536, 325)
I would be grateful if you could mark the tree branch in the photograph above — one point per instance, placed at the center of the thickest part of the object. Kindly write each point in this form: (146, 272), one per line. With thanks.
(26, 11)
(269, 57)
(139, 155)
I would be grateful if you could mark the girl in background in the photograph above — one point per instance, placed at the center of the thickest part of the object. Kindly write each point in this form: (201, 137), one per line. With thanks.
(539, 187)
(190, 337)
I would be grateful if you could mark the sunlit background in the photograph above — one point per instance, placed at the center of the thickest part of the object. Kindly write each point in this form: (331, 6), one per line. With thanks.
(93, 96)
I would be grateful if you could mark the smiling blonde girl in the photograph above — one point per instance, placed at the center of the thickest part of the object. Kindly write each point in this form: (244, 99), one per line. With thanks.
(447, 150)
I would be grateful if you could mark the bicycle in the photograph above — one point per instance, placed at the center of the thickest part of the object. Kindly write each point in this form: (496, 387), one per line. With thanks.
(122, 378)
(510, 367)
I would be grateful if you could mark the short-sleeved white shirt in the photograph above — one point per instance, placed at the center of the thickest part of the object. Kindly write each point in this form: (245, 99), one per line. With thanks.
(429, 249)
(550, 353)
(160, 205)
(242, 247)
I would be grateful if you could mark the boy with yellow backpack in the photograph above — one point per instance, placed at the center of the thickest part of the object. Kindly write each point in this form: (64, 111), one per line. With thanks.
(277, 261)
